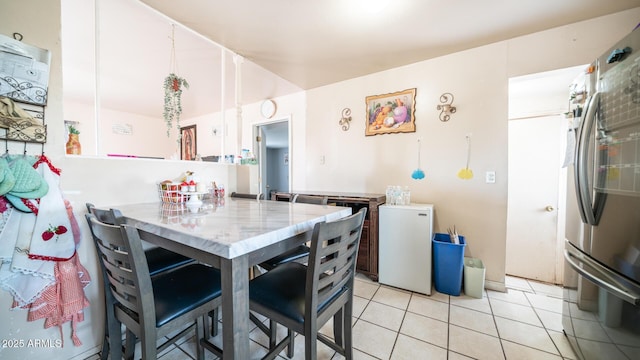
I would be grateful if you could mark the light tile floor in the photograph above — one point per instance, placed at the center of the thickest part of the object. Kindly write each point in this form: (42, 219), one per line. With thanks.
(390, 323)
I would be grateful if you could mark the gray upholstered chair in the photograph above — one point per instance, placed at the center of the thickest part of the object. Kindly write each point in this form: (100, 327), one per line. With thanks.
(158, 260)
(247, 196)
(303, 298)
(301, 252)
(310, 199)
(151, 307)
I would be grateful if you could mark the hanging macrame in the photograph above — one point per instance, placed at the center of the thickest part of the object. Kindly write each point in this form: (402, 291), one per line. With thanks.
(173, 85)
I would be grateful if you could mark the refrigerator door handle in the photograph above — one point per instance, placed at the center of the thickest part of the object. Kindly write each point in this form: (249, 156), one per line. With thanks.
(600, 275)
(582, 151)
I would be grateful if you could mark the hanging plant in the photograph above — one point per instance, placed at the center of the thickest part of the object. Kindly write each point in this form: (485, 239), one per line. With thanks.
(173, 85)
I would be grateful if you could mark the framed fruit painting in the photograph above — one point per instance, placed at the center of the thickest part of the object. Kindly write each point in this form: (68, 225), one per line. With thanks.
(391, 113)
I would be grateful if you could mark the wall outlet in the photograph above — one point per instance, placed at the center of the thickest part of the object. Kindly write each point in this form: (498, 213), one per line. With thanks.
(321, 159)
(490, 177)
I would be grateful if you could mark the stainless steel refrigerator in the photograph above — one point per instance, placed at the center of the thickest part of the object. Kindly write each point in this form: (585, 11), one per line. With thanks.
(601, 307)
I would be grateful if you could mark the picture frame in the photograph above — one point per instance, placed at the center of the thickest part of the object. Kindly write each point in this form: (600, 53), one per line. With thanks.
(391, 113)
(188, 142)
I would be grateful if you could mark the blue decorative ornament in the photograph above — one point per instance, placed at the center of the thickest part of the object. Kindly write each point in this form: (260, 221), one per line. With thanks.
(418, 174)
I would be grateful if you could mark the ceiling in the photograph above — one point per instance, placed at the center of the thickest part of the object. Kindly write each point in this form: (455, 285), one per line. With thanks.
(315, 43)
(284, 46)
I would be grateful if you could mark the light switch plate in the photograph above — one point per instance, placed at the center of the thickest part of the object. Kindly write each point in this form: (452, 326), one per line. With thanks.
(490, 177)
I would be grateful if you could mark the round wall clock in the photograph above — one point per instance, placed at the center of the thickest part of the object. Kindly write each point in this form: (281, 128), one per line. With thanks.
(268, 108)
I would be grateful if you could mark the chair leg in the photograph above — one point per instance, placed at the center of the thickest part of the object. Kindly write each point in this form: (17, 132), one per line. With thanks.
(115, 340)
(338, 328)
(200, 329)
(113, 331)
(348, 333)
(148, 346)
(104, 353)
(215, 317)
(130, 346)
(290, 348)
(273, 332)
(311, 345)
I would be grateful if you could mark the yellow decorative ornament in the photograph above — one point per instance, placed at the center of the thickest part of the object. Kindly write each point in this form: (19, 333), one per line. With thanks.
(466, 173)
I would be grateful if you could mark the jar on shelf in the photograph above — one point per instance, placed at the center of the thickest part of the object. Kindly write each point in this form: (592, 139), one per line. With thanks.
(73, 145)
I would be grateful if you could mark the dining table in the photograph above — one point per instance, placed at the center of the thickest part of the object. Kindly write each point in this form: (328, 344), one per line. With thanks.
(231, 234)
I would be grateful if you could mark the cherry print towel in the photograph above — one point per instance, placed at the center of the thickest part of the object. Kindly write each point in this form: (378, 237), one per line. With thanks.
(52, 236)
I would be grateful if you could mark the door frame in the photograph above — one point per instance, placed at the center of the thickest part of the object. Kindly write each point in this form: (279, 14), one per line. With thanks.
(550, 94)
(260, 151)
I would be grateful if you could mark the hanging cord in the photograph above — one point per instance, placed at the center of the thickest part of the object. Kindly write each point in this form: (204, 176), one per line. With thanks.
(418, 173)
(173, 62)
(468, 150)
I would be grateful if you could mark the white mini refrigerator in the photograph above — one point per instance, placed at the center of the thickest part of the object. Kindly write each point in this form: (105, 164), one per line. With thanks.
(404, 252)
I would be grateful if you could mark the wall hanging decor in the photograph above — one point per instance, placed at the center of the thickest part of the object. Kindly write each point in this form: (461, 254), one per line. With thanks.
(24, 71)
(418, 173)
(446, 107)
(466, 173)
(391, 113)
(22, 122)
(188, 142)
(345, 121)
(173, 85)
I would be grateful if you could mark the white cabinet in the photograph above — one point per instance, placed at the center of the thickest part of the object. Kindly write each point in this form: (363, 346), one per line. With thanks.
(405, 246)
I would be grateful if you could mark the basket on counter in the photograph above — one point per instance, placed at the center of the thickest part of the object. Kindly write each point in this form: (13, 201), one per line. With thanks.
(171, 193)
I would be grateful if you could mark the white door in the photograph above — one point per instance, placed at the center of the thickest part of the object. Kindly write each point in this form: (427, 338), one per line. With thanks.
(535, 173)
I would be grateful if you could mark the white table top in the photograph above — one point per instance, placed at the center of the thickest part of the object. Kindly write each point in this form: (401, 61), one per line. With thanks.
(233, 227)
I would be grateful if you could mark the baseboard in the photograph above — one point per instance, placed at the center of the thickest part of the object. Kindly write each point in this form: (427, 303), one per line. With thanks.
(495, 286)
(93, 353)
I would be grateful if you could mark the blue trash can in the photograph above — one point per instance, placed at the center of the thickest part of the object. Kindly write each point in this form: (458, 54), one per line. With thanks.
(448, 263)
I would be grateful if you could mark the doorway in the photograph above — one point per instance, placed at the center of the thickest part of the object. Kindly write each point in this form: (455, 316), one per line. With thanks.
(272, 143)
(537, 186)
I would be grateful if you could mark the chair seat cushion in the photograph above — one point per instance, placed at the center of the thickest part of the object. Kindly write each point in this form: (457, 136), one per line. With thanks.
(281, 290)
(294, 254)
(160, 259)
(184, 289)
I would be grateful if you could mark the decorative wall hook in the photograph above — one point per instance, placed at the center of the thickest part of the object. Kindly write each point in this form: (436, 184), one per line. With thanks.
(346, 119)
(446, 108)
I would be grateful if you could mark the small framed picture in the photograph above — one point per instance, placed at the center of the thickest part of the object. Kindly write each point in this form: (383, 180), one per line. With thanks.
(391, 113)
(188, 142)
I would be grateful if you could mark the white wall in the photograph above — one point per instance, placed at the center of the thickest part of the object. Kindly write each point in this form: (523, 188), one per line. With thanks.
(478, 78)
(353, 162)
(113, 142)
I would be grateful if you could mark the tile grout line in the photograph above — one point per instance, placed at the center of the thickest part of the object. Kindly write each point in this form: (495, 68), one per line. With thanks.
(543, 325)
(493, 317)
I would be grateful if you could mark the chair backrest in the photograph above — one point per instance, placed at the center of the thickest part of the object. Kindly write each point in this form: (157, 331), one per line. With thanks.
(247, 196)
(332, 260)
(310, 199)
(121, 253)
(105, 216)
